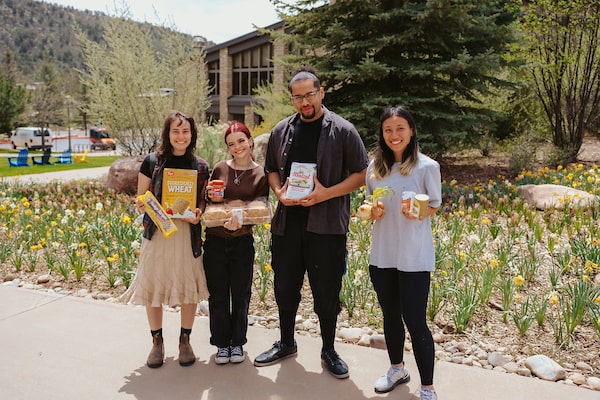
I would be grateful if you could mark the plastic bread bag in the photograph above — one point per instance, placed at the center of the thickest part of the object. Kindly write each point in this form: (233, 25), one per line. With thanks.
(251, 212)
(158, 214)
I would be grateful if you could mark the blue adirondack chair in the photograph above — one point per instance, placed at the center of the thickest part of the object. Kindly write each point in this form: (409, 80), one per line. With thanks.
(64, 158)
(45, 160)
(20, 160)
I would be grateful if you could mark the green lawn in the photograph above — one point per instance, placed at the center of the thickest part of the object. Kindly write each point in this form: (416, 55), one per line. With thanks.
(92, 162)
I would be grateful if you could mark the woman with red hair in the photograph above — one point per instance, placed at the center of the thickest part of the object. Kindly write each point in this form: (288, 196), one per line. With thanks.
(229, 249)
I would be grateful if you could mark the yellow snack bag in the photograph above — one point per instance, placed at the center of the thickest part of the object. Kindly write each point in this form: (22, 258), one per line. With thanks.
(158, 214)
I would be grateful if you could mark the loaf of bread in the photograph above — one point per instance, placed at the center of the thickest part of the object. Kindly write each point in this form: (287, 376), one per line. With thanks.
(215, 215)
(235, 204)
(252, 212)
(256, 208)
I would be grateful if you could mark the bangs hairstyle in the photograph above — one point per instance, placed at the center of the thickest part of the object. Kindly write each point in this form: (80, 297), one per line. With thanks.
(236, 126)
(166, 149)
(384, 156)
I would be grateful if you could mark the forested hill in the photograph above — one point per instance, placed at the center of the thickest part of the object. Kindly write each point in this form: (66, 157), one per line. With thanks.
(30, 28)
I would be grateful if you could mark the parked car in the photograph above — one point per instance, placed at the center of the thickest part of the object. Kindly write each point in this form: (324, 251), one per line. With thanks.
(101, 140)
(31, 138)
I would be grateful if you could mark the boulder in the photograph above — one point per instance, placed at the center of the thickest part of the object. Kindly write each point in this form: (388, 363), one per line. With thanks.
(555, 196)
(377, 341)
(350, 334)
(545, 368)
(123, 174)
(260, 148)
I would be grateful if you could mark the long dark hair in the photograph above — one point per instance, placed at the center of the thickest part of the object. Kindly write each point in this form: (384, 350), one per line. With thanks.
(166, 149)
(384, 156)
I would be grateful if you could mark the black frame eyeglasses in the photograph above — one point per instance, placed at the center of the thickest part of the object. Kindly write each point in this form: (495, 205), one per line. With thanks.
(310, 96)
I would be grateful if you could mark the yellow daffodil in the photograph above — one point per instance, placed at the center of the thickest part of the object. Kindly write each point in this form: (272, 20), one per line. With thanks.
(519, 280)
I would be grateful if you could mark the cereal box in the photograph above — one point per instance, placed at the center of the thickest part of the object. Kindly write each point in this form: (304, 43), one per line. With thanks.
(179, 192)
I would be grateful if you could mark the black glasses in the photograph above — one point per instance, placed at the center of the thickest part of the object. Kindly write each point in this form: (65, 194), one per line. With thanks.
(310, 96)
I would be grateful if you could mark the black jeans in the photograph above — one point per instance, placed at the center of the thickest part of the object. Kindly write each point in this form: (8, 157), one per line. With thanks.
(403, 299)
(324, 258)
(228, 263)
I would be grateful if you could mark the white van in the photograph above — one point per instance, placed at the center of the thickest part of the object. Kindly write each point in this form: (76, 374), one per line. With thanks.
(31, 138)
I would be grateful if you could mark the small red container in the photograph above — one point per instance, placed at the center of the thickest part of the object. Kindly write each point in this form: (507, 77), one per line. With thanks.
(218, 190)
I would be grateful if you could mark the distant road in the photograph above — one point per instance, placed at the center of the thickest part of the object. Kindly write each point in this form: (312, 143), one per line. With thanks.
(63, 176)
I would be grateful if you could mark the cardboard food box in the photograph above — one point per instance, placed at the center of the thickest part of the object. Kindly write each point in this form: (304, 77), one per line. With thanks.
(252, 212)
(179, 192)
(301, 181)
(158, 214)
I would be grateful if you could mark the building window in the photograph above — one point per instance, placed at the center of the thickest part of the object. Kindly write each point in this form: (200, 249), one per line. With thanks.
(252, 68)
(213, 77)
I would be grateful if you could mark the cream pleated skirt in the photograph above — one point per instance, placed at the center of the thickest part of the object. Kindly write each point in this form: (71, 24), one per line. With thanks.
(168, 273)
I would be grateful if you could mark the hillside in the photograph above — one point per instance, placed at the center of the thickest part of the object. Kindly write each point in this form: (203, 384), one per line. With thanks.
(29, 29)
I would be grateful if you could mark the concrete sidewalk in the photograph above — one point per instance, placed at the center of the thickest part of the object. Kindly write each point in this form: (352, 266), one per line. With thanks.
(64, 347)
(68, 175)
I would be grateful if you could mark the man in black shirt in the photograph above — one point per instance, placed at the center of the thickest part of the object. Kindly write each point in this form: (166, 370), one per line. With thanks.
(309, 233)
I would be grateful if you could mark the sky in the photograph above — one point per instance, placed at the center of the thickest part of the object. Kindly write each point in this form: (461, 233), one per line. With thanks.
(216, 20)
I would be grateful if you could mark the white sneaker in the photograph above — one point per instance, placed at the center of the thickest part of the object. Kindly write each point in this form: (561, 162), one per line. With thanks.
(222, 356)
(395, 376)
(237, 354)
(428, 394)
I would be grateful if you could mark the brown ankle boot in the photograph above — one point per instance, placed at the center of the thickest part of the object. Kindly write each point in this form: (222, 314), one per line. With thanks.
(186, 354)
(157, 354)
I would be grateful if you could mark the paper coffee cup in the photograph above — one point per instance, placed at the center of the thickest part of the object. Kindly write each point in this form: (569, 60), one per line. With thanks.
(419, 205)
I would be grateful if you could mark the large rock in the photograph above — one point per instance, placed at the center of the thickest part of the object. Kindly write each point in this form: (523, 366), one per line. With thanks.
(545, 368)
(123, 174)
(260, 148)
(555, 196)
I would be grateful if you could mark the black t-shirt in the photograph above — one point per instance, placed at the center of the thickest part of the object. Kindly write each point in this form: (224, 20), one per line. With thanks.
(304, 149)
(306, 141)
(181, 162)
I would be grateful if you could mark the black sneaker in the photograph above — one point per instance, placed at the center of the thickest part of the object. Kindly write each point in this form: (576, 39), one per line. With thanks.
(336, 366)
(278, 352)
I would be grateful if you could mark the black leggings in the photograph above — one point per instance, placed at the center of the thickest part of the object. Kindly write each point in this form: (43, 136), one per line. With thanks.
(403, 297)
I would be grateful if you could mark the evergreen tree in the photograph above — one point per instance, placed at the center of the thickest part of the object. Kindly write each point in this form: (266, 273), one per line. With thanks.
(13, 97)
(437, 57)
(12, 103)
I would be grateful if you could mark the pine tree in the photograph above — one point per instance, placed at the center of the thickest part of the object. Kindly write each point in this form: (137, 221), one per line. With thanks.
(12, 103)
(12, 96)
(437, 57)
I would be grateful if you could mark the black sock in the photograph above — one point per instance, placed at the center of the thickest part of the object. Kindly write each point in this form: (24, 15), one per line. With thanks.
(185, 330)
(287, 319)
(157, 332)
